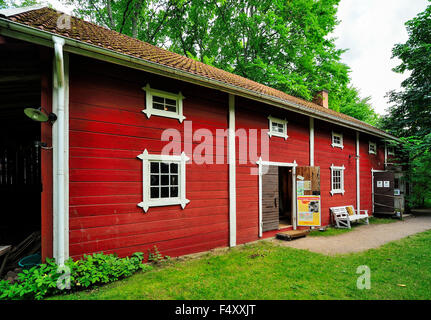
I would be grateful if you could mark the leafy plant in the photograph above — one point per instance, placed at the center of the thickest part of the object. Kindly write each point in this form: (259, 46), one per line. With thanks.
(410, 115)
(154, 256)
(48, 278)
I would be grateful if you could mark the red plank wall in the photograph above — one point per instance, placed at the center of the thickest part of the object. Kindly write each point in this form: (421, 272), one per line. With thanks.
(367, 162)
(107, 133)
(325, 156)
(254, 115)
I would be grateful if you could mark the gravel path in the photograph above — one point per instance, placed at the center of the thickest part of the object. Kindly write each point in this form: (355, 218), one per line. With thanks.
(363, 238)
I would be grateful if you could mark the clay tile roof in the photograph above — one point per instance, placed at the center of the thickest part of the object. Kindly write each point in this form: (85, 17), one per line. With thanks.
(46, 19)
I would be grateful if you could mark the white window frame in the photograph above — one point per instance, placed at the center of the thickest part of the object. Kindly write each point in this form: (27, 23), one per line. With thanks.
(391, 151)
(337, 145)
(341, 190)
(370, 143)
(271, 133)
(147, 202)
(149, 111)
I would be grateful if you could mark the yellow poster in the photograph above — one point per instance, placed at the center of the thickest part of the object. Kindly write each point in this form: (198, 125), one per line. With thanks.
(308, 208)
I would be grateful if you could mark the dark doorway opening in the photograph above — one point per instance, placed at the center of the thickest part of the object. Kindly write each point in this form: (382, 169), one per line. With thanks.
(285, 196)
(20, 158)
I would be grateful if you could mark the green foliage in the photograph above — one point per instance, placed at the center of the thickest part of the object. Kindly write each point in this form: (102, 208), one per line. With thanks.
(283, 44)
(267, 271)
(410, 115)
(154, 256)
(48, 279)
(416, 153)
(22, 3)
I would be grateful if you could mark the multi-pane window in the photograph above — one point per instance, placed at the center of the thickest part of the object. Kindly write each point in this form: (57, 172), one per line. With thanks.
(164, 180)
(372, 148)
(163, 104)
(277, 127)
(391, 151)
(337, 180)
(337, 140)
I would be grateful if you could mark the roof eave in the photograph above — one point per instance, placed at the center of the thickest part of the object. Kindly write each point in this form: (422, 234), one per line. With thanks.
(37, 36)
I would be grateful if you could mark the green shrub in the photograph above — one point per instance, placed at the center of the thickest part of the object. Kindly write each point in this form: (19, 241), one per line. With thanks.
(49, 279)
(155, 257)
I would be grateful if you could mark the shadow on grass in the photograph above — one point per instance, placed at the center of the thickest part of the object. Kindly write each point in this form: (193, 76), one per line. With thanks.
(331, 231)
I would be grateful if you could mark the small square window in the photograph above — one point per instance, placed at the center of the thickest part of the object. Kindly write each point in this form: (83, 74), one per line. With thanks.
(337, 140)
(277, 127)
(372, 148)
(164, 104)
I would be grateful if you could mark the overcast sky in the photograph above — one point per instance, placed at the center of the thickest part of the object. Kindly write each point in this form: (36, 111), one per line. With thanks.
(369, 29)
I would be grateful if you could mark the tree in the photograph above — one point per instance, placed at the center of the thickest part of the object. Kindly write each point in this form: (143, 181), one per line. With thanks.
(409, 116)
(279, 43)
(11, 3)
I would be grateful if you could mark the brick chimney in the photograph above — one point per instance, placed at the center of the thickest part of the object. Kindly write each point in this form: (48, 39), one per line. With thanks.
(321, 99)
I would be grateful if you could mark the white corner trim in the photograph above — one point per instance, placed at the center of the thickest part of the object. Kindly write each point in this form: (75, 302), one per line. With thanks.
(337, 145)
(284, 122)
(337, 191)
(147, 202)
(149, 110)
(232, 172)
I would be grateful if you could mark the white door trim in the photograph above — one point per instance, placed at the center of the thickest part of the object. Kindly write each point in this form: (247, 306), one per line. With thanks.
(372, 185)
(293, 165)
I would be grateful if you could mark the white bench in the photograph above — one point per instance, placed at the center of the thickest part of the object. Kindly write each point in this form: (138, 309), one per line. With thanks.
(343, 219)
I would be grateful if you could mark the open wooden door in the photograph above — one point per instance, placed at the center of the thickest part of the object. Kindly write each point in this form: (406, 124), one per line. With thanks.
(309, 181)
(384, 193)
(270, 199)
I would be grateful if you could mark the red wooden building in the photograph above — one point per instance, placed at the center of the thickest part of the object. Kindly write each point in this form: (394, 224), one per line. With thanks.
(104, 179)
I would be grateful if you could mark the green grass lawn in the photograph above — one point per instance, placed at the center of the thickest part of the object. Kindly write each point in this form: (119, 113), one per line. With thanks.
(399, 270)
(331, 231)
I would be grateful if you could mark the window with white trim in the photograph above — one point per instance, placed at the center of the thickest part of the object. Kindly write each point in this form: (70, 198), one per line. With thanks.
(337, 180)
(391, 151)
(372, 148)
(277, 127)
(163, 104)
(164, 180)
(337, 140)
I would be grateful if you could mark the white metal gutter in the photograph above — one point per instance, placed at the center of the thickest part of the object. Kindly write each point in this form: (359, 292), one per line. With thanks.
(60, 156)
(311, 142)
(232, 172)
(31, 34)
(358, 174)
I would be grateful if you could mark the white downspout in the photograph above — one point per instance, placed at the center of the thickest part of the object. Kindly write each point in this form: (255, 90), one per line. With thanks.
(232, 173)
(311, 142)
(358, 176)
(59, 94)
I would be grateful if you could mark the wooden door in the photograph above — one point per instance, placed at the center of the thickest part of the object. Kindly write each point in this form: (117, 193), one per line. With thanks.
(270, 199)
(384, 193)
(310, 176)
